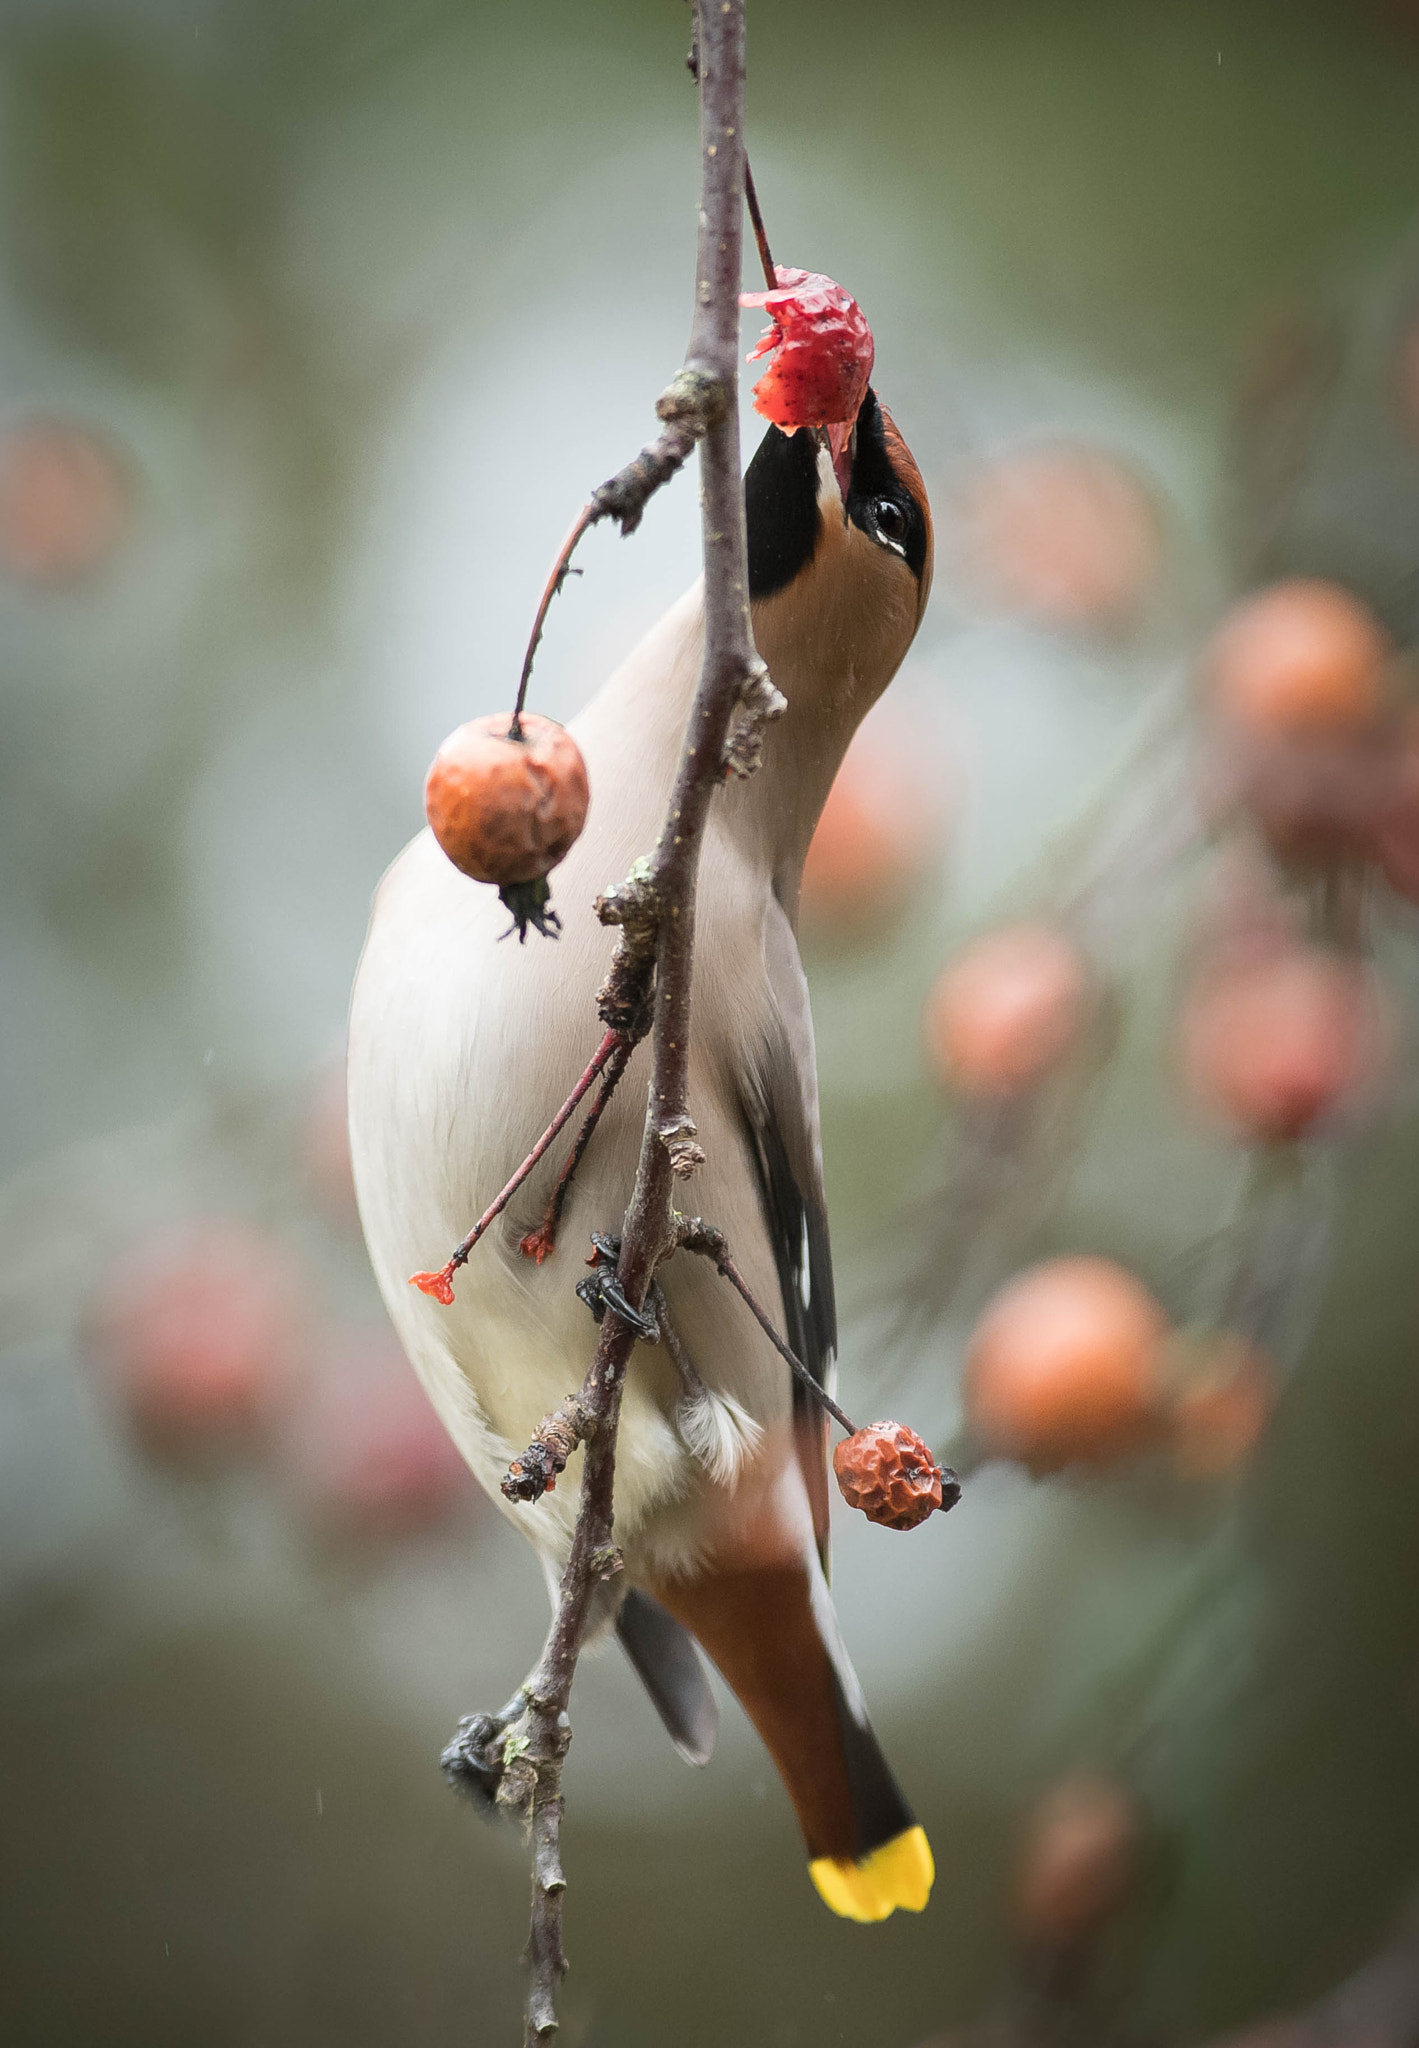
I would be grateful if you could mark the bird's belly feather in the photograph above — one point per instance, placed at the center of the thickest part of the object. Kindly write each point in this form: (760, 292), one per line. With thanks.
(460, 1053)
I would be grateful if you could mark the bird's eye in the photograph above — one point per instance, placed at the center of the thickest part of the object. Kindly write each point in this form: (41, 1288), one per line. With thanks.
(889, 519)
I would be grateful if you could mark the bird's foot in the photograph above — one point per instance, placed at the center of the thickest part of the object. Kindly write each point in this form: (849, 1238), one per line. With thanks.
(497, 1758)
(476, 1762)
(601, 1290)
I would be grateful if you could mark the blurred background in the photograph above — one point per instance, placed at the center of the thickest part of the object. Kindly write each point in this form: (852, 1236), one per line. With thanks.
(317, 321)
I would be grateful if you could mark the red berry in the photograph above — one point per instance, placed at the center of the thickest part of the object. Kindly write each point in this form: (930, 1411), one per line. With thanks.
(1275, 1044)
(888, 1472)
(819, 376)
(199, 1329)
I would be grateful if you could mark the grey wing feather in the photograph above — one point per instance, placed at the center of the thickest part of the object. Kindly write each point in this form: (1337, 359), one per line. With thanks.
(668, 1665)
(780, 1102)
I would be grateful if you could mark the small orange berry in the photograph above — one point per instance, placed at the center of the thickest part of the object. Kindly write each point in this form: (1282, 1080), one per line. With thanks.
(1275, 1044)
(1064, 1365)
(1303, 656)
(888, 1472)
(1006, 1010)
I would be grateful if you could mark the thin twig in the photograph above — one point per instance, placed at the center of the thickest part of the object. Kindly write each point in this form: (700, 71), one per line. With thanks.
(710, 1244)
(539, 1243)
(440, 1284)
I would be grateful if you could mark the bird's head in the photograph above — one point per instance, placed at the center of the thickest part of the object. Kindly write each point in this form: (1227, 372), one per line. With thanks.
(840, 558)
(838, 517)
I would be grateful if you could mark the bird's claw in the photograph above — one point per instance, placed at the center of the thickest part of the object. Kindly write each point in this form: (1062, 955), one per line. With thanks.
(601, 1290)
(473, 1761)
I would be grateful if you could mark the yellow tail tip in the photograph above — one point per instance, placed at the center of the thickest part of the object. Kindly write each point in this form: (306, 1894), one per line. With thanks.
(900, 1873)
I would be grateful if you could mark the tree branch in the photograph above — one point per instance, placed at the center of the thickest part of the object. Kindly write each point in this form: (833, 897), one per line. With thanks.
(707, 391)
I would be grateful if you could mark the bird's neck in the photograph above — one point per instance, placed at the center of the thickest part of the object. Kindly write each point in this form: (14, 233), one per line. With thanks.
(832, 644)
(830, 647)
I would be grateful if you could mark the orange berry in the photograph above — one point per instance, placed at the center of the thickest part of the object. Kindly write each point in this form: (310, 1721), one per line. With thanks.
(1274, 1044)
(506, 810)
(879, 832)
(1080, 1860)
(1064, 1365)
(1006, 1010)
(1303, 656)
(888, 1473)
(1066, 534)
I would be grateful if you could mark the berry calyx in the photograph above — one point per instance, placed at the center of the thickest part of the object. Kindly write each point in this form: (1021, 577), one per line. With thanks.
(822, 349)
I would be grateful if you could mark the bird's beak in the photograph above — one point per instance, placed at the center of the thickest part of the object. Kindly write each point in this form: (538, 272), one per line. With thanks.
(842, 442)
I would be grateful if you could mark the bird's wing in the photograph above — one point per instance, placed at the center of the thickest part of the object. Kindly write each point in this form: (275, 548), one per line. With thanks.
(780, 1104)
(668, 1665)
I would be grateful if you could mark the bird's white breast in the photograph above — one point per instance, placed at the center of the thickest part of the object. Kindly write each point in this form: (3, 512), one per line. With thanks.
(462, 1047)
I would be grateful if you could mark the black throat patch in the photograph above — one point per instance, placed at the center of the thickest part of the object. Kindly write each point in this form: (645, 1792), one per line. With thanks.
(781, 509)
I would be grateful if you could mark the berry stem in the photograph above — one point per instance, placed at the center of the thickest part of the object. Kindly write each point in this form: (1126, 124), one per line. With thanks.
(541, 1241)
(760, 232)
(561, 569)
(710, 1244)
(440, 1284)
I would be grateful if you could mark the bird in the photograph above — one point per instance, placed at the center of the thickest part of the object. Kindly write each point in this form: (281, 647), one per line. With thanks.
(461, 1051)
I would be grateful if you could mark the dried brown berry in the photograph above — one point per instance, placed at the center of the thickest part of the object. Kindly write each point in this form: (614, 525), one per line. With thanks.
(888, 1472)
(506, 807)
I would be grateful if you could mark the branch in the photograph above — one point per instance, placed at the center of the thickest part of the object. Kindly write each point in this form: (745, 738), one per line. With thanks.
(701, 401)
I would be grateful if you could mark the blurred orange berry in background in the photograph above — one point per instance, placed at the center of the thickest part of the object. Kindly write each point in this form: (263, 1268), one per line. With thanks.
(1006, 1010)
(881, 830)
(198, 1330)
(1274, 1044)
(1079, 1861)
(1302, 656)
(1219, 1414)
(1064, 533)
(65, 500)
(1064, 1365)
(364, 1450)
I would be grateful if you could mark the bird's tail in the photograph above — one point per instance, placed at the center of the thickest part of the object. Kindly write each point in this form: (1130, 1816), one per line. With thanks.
(774, 1637)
